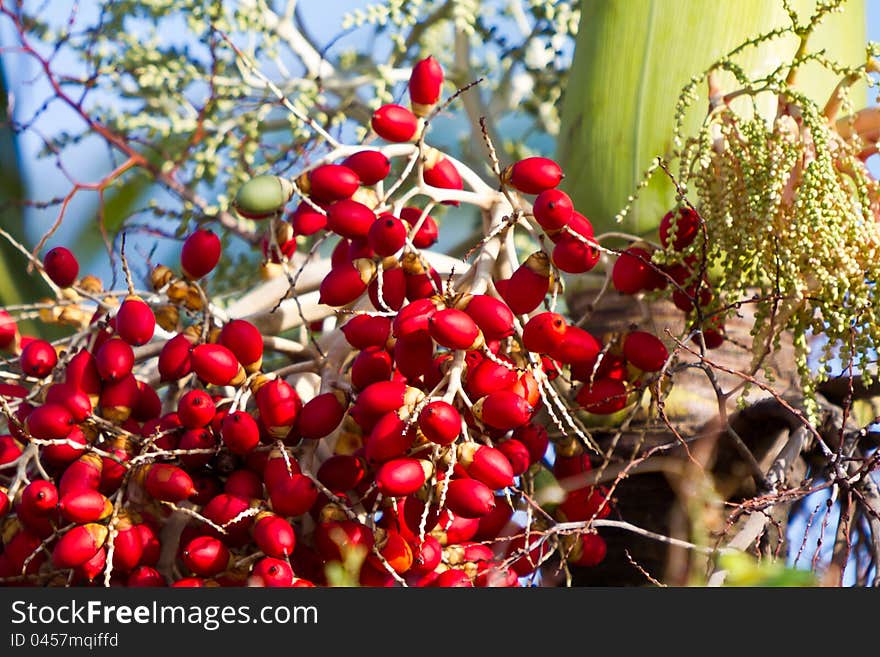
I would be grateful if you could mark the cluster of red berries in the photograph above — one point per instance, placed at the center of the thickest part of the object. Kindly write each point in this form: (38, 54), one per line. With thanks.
(416, 455)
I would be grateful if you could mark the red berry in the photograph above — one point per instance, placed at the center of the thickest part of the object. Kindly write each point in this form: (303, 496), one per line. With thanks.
(526, 289)
(350, 219)
(394, 123)
(533, 175)
(370, 166)
(245, 341)
(454, 329)
(293, 496)
(332, 182)
(205, 556)
(645, 351)
(346, 282)
(271, 572)
(196, 409)
(486, 464)
(274, 536)
(240, 433)
(279, 406)
(135, 321)
(389, 439)
(502, 410)
(632, 271)
(49, 422)
(321, 415)
(341, 472)
(363, 331)
(79, 545)
(8, 330)
(39, 497)
(200, 254)
(145, 577)
(492, 315)
(445, 175)
(168, 483)
(440, 422)
(61, 266)
(306, 220)
(680, 228)
(590, 550)
(603, 396)
(553, 209)
(84, 473)
(175, 359)
(387, 235)
(393, 288)
(428, 231)
(575, 255)
(38, 359)
(244, 484)
(517, 454)
(425, 85)
(84, 505)
(75, 401)
(215, 364)
(544, 333)
(577, 346)
(114, 360)
(469, 498)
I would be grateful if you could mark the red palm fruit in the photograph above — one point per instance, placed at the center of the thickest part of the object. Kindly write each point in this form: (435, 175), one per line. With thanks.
(414, 317)
(384, 397)
(8, 330)
(589, 550)
(454, 329)
(631, 272)
(197, 439)
(371, 365)
(491, 525)
(440, 422)
(294, 496)
(91, 568)
(119, 398)
(492, 315)
(331, 182)
(414, 355)
(61, 266)
(570, 467)
(529, 560)
(684, 300)
(517, 455)
(359, 247)
(488, 376)
(14, 391)
(38, 359)
(279, 406)
(713, 333)
(645, 351)
(350, 219)
(84, 505)
(113, 469)
(5, 504)
(456, 528)
(74, 400)
(603, 396)
(222, 510)
(127, 547)
(502, 410)
(553, 209)
(216, 364)
(205, 556)
(135, 321)
(387, 235)
(41, 525)
(49, 422)
(114, 360)
(413, 216)
(533, 175)
(443, 174)
(321, 415)
(23, 546)
(577, 346)
(346, 282)
(427, 554)
(393, 287)
(278, 469)
(148, 406)
(339, 256)
(39, 497)
(271, 573)
(469, 498)
(82, 474)
(79, 545)
(200, 254)
(394, 123)
(370, 166)
(526, 289)
(584, 504)
(335, 539)
(363, 331)
(152, 548)
(144, 577)
(274, 535)
(575, 255)
(244, 484)
(395, 550)
(425, 85)
(196, 409)
(452, 578)
(402, 476)
(175, 359)
(168, 483)
(679, 228)
(486, 464)
(421, 283)
(342, 472)
(82, 373)
(612, 366)
(544, 333)
(389, 439)
(189, 582)
(306, 220)
(244, 340)
(240, 433)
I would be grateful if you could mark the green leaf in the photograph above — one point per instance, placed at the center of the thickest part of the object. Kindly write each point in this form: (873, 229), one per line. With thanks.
(632, 59)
